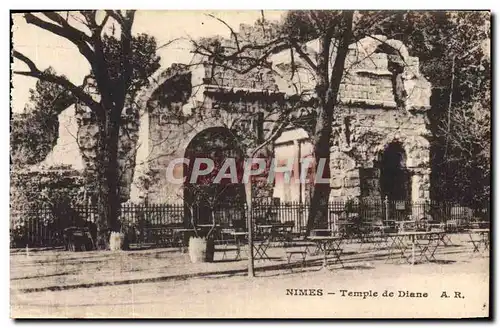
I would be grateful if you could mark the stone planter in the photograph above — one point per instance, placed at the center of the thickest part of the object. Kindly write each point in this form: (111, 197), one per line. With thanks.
(201, 249)
(116, 241)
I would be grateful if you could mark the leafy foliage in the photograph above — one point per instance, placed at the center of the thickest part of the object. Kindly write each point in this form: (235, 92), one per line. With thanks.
(144, 61)
(57, 187)
(33, 135)
(35, 131)
(467, 136)
(46, 197)
(454, 56)
(307, 25)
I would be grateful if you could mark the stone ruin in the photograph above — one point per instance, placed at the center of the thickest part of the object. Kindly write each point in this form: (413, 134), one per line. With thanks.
(383, 102)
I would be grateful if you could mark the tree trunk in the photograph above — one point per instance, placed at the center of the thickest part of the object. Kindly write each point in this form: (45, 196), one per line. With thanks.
(327, 92)
(108, 206)
(321, 191)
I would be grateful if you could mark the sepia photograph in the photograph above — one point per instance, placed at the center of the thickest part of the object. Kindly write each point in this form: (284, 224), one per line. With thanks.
(321, 164)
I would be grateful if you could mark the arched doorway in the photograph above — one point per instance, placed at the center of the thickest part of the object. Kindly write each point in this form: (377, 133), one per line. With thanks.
(394, 177)
(395, 181)
(389, 178)
(224, 200)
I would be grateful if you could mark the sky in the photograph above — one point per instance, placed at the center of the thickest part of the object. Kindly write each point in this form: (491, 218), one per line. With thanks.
(47, 49)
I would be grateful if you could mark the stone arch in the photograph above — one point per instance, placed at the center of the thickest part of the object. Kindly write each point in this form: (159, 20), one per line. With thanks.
(159, 79)
(372, 175)
(371, 143)
(370, 44)
(416, 148)
(205, 195)
(368, 145)
(199, 127)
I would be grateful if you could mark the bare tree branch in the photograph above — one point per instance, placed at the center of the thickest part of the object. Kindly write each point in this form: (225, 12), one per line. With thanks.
(168, 43)
(55, 17)
(116, 15)
(70, 33)
(230, 28)
(60, 80)
(91, 21)
(273, 46)
(271, 138)
(253, 62)
(303, 55)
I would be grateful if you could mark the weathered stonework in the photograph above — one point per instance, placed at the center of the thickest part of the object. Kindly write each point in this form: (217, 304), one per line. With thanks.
(168, 141)
(369, 118)
(88, 136)
(369, 131)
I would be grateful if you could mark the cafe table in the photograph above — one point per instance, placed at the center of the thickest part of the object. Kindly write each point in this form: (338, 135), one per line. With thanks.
(329, 244)
(483, 241)
(427, 243)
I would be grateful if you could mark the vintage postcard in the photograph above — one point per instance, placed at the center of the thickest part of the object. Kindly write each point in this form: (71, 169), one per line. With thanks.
(250, 164)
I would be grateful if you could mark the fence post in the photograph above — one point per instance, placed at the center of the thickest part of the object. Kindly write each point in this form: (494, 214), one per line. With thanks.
(250, 263)
(386, 205)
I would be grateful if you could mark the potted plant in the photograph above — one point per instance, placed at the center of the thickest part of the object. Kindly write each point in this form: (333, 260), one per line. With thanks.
(201, 201)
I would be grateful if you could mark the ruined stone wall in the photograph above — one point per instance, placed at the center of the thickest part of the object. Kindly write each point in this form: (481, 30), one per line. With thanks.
(87, 136)
(169, 140)
(368, 81)
(255, 79)
(370, 118)
(362, 134)
(368, 75)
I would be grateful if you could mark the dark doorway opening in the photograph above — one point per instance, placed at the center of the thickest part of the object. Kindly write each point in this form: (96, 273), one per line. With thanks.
(206, 200)
(394, 177)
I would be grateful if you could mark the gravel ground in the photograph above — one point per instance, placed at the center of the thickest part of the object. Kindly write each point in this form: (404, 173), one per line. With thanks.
(162, 283)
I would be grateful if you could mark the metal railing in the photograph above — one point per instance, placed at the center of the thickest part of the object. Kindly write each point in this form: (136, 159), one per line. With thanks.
(43, 227)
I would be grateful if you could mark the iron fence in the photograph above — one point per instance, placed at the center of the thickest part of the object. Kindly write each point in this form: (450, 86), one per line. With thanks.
(43, 226)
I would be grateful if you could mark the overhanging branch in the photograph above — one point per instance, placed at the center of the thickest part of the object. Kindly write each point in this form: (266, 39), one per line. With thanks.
(303, 55)
(59, 80)
(230, 28)
(70, 33)
(65, 25)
